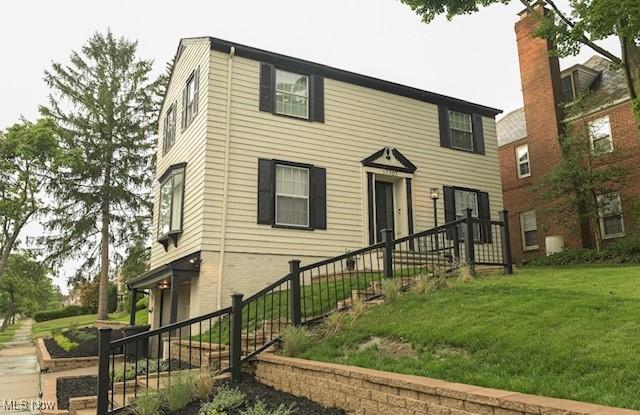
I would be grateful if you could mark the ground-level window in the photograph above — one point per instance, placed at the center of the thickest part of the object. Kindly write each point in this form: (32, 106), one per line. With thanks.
(522, 159)
(292, 195)
(461, 130)
(600, 135)
(611, 222)
(171, 202)
(465, 199)
(292, 94)
(529, 227)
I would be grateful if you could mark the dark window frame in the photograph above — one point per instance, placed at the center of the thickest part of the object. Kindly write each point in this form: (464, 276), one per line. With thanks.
(306, 167)
(275, 92)
(169, 128)
(190, 110)
(477, 130)
(168, 175)
(473, 139)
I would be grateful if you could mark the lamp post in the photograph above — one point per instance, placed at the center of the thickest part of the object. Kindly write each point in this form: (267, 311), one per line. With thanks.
(435, 195)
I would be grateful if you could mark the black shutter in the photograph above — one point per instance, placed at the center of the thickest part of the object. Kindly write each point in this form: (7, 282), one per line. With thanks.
(443, 119)
(449, 208)
(266, 192)
(478, 134)
(410, 210)
(267, 81)
(196, 82)
(372, 223)
(317, 98)
(318, 198)
(484, 214)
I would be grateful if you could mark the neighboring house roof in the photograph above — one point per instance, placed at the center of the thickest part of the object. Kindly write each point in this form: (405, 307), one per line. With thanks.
(342, 75)
(511, 127)
(608, 88)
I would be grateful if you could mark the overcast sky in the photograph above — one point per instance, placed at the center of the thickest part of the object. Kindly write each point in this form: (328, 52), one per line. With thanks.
(472, 57)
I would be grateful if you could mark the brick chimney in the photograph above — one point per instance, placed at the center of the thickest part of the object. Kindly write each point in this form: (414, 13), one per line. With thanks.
(541, 91)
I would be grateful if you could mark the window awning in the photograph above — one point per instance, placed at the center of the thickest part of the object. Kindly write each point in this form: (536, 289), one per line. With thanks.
(186, 267)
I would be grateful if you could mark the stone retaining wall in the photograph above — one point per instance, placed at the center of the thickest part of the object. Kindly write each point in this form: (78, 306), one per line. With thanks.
(368, 392)
(50, 364)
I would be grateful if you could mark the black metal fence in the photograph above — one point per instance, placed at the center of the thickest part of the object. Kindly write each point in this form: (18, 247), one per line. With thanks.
(221, 341)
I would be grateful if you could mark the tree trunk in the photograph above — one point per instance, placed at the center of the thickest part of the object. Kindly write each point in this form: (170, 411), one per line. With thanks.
(6, 252)
(103, 292)
(631, 68)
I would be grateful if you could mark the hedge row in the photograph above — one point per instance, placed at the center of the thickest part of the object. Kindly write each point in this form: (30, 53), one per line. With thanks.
(69, 311)
(623, 251)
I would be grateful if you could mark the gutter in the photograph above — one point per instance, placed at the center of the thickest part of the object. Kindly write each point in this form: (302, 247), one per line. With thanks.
(225, 190)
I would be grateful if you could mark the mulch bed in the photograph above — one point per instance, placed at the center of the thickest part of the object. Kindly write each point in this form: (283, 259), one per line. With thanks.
(85, 347)
(272, 398)
(75, 387)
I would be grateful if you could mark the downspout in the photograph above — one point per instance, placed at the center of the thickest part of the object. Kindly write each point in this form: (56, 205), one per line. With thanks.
(225, 188)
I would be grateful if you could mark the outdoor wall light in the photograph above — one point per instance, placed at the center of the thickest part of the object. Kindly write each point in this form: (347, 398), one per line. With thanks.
(435, 193)
(163, 285)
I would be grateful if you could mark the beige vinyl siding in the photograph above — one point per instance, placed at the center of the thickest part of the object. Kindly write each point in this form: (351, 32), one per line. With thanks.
(189, 147)
(358, 122)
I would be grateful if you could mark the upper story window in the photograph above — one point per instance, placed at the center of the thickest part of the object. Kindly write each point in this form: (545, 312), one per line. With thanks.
(292, 94)
(190, 98)
(169, 128)
(600, 136)
(529, 227)
(461, 130)
(568, 89)
(292, 196)
(522, 160)
(611, 222)
(171, 204)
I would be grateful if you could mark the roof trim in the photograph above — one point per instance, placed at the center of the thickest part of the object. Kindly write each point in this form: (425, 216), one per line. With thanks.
(277, 59)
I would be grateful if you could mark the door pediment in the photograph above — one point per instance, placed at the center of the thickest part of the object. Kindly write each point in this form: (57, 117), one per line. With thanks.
(391, 159)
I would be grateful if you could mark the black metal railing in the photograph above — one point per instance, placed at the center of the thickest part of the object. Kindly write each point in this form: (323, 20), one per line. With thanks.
(223, 340)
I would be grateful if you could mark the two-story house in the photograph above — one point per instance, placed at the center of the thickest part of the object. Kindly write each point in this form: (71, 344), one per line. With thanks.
(264, 158)
(593, 97)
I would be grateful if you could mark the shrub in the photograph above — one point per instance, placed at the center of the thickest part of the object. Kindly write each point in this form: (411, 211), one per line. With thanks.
(179, 392)
(89, 296)
(439, 281)
(357, 310)
(82, 334)
(260, 408)
(226, 398)
(391, 290)
(203, 384)
(64, 343)
(142, 303)
(147, 403)
(69, 311)
(143, 368)
(334, 323)
(295, 340)
(464, 272)
(622, 251)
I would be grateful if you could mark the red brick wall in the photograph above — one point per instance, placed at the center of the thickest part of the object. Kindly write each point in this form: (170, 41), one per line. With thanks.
(540, 75)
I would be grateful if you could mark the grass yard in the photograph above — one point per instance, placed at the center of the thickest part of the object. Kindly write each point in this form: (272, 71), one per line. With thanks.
(571, 333)
(8, 334)
(44, 328)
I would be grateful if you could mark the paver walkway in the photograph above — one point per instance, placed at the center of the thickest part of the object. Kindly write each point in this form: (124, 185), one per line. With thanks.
(19, 371)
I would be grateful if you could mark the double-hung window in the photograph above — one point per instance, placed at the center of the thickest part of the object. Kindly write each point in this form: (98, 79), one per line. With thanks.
(568, 90)
(171, 203)
(600, 135)
(529, 227)
(292, 94)
(292, 196)
(522, 160)
(190, 98)
(611, 223)
(169, 128)
(464, 200)
(461, 130)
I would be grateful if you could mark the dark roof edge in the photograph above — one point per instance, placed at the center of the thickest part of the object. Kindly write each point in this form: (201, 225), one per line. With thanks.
(350, 77)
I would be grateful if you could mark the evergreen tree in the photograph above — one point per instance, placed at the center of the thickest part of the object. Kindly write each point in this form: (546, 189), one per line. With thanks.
(107, 106)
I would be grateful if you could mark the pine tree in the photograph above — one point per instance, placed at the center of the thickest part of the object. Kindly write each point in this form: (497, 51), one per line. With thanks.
(107, 106)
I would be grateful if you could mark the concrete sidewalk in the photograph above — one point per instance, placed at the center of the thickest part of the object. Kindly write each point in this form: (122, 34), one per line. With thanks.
(19, 371)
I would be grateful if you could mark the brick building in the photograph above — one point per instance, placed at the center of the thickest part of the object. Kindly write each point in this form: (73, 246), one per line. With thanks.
(529, 146)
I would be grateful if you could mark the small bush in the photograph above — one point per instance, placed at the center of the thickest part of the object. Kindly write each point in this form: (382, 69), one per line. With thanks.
(295, 340)
(465, 272)
(142, 303)
(179, 392)
(64, 342)
(148, 403)
(143, 368)
(439, 281)
(226, 398)
(82, 334)
(260, 408)
(391, 290)
(357, 310)
(420, 284)
(69, 311)
(203, 384)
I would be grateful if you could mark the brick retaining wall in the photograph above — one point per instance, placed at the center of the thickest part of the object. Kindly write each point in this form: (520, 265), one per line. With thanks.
(368, 392)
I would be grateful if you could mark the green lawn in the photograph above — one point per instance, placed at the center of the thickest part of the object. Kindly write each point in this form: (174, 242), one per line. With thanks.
(8, 333)
(44, 328)
(563, 332)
